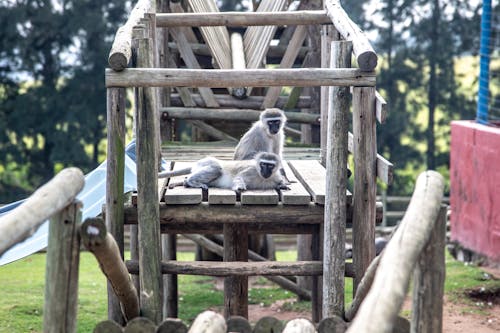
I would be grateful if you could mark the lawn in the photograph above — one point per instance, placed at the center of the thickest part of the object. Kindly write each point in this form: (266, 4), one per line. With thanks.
(21, 301)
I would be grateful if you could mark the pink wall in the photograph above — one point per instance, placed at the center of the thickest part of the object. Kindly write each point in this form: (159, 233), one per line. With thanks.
(475, 187)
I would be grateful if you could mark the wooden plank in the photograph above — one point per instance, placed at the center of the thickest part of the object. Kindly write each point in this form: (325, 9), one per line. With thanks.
(312, 175)
(181, 195)
(380, 108)
(162, 187)
(221, 78)
(220, 196)
(237, 268)
(251, 102)
(297, 194)
(259, 197)
(244, 19)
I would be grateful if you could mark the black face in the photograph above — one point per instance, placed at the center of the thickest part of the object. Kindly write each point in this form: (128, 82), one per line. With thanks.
(274, 126)
(266, 169)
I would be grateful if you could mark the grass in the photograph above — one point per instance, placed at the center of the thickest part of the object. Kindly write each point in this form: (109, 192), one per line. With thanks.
(21, 300)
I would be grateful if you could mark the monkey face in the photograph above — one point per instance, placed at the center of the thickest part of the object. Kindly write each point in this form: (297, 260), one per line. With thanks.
(266, 169)
(274, 126)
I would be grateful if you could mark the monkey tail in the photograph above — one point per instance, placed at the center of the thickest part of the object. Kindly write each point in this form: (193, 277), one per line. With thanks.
(174, 173)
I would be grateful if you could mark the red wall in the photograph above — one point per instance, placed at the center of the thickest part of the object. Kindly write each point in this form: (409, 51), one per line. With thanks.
(475, 187)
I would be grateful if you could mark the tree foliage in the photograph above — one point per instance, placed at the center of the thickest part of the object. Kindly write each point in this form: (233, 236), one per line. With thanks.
(52, 93)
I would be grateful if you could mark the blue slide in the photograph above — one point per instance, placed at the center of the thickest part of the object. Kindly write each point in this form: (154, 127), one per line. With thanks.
(93, 197)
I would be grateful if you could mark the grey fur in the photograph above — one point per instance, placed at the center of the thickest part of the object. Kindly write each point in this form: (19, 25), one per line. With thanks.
(236, 175)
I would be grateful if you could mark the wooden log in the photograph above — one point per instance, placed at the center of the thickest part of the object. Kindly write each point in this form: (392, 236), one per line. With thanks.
(365, 186)
(333, 324)
(236, 255)
(249, 103)
(279, 280)
(209, 321)
(147, 194)
(238, 62)
(107, 326)
(48, 200)
(274, 54)
(336, 187)
(102, 245)
(172, 325)
(365, 55)
(299, 325)
(328, 34)
(170, 282)
(428, 281)
(221, 78)
(238, 324)
(268, 324)
(61, 272)
(115, 178)
(236, 268)
(140, 325)
(243, 19)
(121, 50)
(377, 314)
(286, 62)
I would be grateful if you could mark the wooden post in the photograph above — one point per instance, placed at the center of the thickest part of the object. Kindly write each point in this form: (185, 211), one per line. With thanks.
(378, 314)
(170, 283)
(365, 186)
(336, 187)
(147, 193)
(428, 281)
(163, 54)
(238, 62)
(115, 176)
(235, 287)
(61, 275)
(99, 242)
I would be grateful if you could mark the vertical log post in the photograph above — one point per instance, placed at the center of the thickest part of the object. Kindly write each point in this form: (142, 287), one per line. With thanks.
(170, 283)
(163, 55)
(336, 186)
(147, 193)
(317, 282)
(235, 287)
(115, 175)
(328, 34)
(365, 186)
(428, 281)
(61, 274)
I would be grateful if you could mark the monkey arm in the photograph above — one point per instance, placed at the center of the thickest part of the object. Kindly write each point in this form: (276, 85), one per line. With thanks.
(239, 184)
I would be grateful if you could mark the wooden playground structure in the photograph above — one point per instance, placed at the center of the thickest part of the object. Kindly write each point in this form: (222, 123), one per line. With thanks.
(145, 57)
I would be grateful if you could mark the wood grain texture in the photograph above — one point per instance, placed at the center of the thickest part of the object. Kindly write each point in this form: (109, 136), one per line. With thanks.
(219, 196)
(181, 195)
(48, 200)
(297, 194)
(251, 102)
(231, 19)
(221, 78)
(259, 197)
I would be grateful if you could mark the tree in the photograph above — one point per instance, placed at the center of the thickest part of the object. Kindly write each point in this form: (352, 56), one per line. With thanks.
(54, 105)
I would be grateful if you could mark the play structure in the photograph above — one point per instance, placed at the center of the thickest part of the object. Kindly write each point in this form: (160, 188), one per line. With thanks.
(164, 48)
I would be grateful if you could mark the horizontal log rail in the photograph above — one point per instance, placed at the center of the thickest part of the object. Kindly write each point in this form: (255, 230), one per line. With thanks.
(49, 199)
(238, 268)
(251, 102)
(221, 78)
(232, 114)
(242, 19)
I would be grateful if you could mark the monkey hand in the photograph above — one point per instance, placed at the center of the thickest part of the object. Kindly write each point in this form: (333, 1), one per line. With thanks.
(283, 186)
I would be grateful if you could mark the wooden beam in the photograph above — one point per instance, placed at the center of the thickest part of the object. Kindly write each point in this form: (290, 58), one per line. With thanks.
(236, 268)
(121, 50)
(168, 77)
(232, 114)
(251, 102)
(380, 108)
(48, 200)
(238, 62)
(377, 314)
(243, 19)
(365, 55)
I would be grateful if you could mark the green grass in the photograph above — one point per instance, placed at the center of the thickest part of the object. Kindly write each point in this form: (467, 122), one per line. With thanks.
(21, 298)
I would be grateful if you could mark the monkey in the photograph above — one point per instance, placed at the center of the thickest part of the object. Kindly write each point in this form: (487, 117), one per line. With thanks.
(260, 173)
(265, 135)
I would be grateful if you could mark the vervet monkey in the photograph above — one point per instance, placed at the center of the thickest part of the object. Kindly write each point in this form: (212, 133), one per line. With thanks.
(260, 173)
(266, 135)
